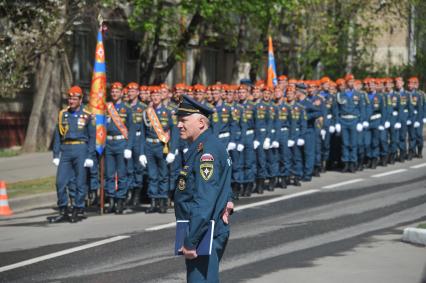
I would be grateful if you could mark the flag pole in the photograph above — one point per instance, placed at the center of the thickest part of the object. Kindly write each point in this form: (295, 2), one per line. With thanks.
(102, 183)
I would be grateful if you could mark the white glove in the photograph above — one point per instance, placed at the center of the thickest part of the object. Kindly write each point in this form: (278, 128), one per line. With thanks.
(300, 142)
(231, 146)
(142, 160)
(275, 144)
(424, 120)
(170, 158)
(395, 113)
(56, 161)
(397, 125)
(338, 128)
(387, 124)
(240, 147)
(416, 124)
(256, 144)
(267, 143)
(381, 128)
(409, 122)
(290, 143)
(176, 151)
(331, 129)
(323, 133)
(127, 153)
(365, 124)
(359, 127)
(185, 150)
(88, 163)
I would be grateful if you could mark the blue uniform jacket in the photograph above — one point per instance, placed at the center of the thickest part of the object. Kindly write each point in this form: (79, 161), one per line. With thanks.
(127, 118)
(203, 187)
(299, 121)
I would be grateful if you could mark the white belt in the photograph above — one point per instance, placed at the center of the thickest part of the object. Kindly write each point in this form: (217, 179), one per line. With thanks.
(150, 140)
(329, 116)
(415, 112)
(224, 135)
(284, 129)
(249, 132)
(395, 113)
(115, 138)
(296, 129)
(349, 116)
(406, 110)
(138, 133)
(376, 116)
(273, 131)
(262, 129)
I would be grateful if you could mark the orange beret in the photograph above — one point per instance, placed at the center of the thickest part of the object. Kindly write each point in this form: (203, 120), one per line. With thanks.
(292, 81)
(154, 89)
(349, 77)
(413, 79)
(399, 79)
(164, 86)
(199, 87)
(133, 85)
(325, 80)
(282, 78)
(117, 85)
(143, 88)
(340, 81)
(75, 91)
(180, 86)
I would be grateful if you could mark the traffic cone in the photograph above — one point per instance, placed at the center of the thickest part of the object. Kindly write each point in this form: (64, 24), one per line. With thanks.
(4, 203)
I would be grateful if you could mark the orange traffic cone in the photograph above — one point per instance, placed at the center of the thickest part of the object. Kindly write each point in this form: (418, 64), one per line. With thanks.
(4, 203)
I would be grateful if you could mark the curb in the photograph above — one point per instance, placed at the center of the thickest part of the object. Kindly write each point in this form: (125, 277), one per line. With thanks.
(414, 235)
(31, 202)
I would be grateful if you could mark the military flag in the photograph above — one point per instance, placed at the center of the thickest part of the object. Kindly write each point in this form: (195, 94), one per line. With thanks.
(97, 99)
(271, 76)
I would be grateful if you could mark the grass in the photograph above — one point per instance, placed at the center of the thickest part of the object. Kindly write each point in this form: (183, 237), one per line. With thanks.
(9, 152)
(25, 188)
(422, 226)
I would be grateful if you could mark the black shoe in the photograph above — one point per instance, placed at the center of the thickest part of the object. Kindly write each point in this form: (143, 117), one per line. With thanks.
(136, 201)
(373, 163)
(352, 167)
(62, 217)
(317, 171)
(383, 161)
(163, 205)
(111, 206)
(153, 207)
(129, 196)
(368, 163)
(120, 206)
(93, 198)
(241, 189)
(260, 186)
(306, 179)
(271, 184)
(284, 182)
(248, 189)
(236, 191)
(402, 157)
(75, 216)
(345, 167)
(323, 167)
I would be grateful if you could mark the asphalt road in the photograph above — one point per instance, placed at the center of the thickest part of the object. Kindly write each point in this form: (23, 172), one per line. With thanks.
(340, 227)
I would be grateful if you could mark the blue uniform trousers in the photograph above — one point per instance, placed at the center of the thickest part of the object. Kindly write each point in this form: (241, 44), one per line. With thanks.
(309, 152)
(237, 166)
(248, 158)
(158, 175)
(94, 175)
(115, 166)
(349, 141)
(403, 137)
(372, 139)
(325, 147)
(318, 147)
(206, 268)
(262, 171)
(415, 136)
(284, 155)
(297, 168)
(71, 166)
(134, 167)
(394, 139)
(384, 143)
(272, 162)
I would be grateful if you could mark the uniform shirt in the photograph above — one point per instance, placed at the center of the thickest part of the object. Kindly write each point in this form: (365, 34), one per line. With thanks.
(405, 109)
(203, 187)
(248, 119)
(351, 103)
(262, 120)
(78, 126)
(299, 120)
(329, 108)
(284, 119)
(126, 117)
(137, 111)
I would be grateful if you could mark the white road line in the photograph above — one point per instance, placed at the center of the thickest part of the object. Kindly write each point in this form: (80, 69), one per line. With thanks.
(418, 166)
(388, 173)
(61, 253)
(343, 183)
(242, 207)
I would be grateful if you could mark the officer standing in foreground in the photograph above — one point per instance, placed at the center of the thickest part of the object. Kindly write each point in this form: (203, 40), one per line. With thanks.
(73, 150)
(203, 190)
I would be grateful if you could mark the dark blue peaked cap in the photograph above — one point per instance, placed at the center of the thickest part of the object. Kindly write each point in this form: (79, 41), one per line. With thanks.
(190, 106)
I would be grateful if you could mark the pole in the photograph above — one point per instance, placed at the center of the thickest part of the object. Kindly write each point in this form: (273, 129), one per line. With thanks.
(102, 182)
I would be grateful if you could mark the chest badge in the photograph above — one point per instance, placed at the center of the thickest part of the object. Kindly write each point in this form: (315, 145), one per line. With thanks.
(181, 184)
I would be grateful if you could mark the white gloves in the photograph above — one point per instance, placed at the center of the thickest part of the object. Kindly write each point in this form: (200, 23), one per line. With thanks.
(323, 133)
(387, 124)
(56, 161)
(359, 127)
(170, 158)
(300, 142)
(338, 128)
(88, 163)
(416, 124)
(185, 150)
(275, 144)
(424, 120)
(331, 129)
(365, 124)
(231, 146)
(290, 143)
(256, 144)
(176, 152)
(240, 147)
(127, 153)
(142, 160)
(409, 122)
(267, 143)
(397, 125)
(381, 128)
(395, 113)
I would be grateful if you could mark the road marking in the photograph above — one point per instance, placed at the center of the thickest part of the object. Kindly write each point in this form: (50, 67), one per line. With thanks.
(418, 166)
(242, 207)
(61, 253)
(343, 183)
(388, 173)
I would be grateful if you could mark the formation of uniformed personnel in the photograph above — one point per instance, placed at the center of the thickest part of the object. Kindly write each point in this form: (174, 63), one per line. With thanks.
(275, 137)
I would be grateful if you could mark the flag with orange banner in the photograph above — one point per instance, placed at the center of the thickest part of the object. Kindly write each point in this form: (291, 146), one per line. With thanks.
(97, 99)
(271, 76)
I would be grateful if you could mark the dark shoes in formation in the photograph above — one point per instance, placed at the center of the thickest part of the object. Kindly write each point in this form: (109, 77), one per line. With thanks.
(73, 216)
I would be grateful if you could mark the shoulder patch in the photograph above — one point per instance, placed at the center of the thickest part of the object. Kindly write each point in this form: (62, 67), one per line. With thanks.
(206, 170)
(206, 157)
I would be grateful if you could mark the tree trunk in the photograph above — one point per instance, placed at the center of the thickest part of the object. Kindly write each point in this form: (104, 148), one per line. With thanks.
(238, 50)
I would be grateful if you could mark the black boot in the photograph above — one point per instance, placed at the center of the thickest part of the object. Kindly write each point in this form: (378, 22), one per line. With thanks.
(260, 186)
(297, 181)
(120, 206)
(163, 205)
(284, 182)
(373, 163)
(345, 167)
(248, 189)
(129, 196)
(317, 171)
(383, 161)
(75, 215)
(402, 156)
(419, 152)
(352, 167)
(323, 168)
(241, 189)
(410, 154)
(61, 217)
(271, 184)
(111, 206)
(93, 198)
(153, 207)
(368, 163)
(136, 201)
(235, 190)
